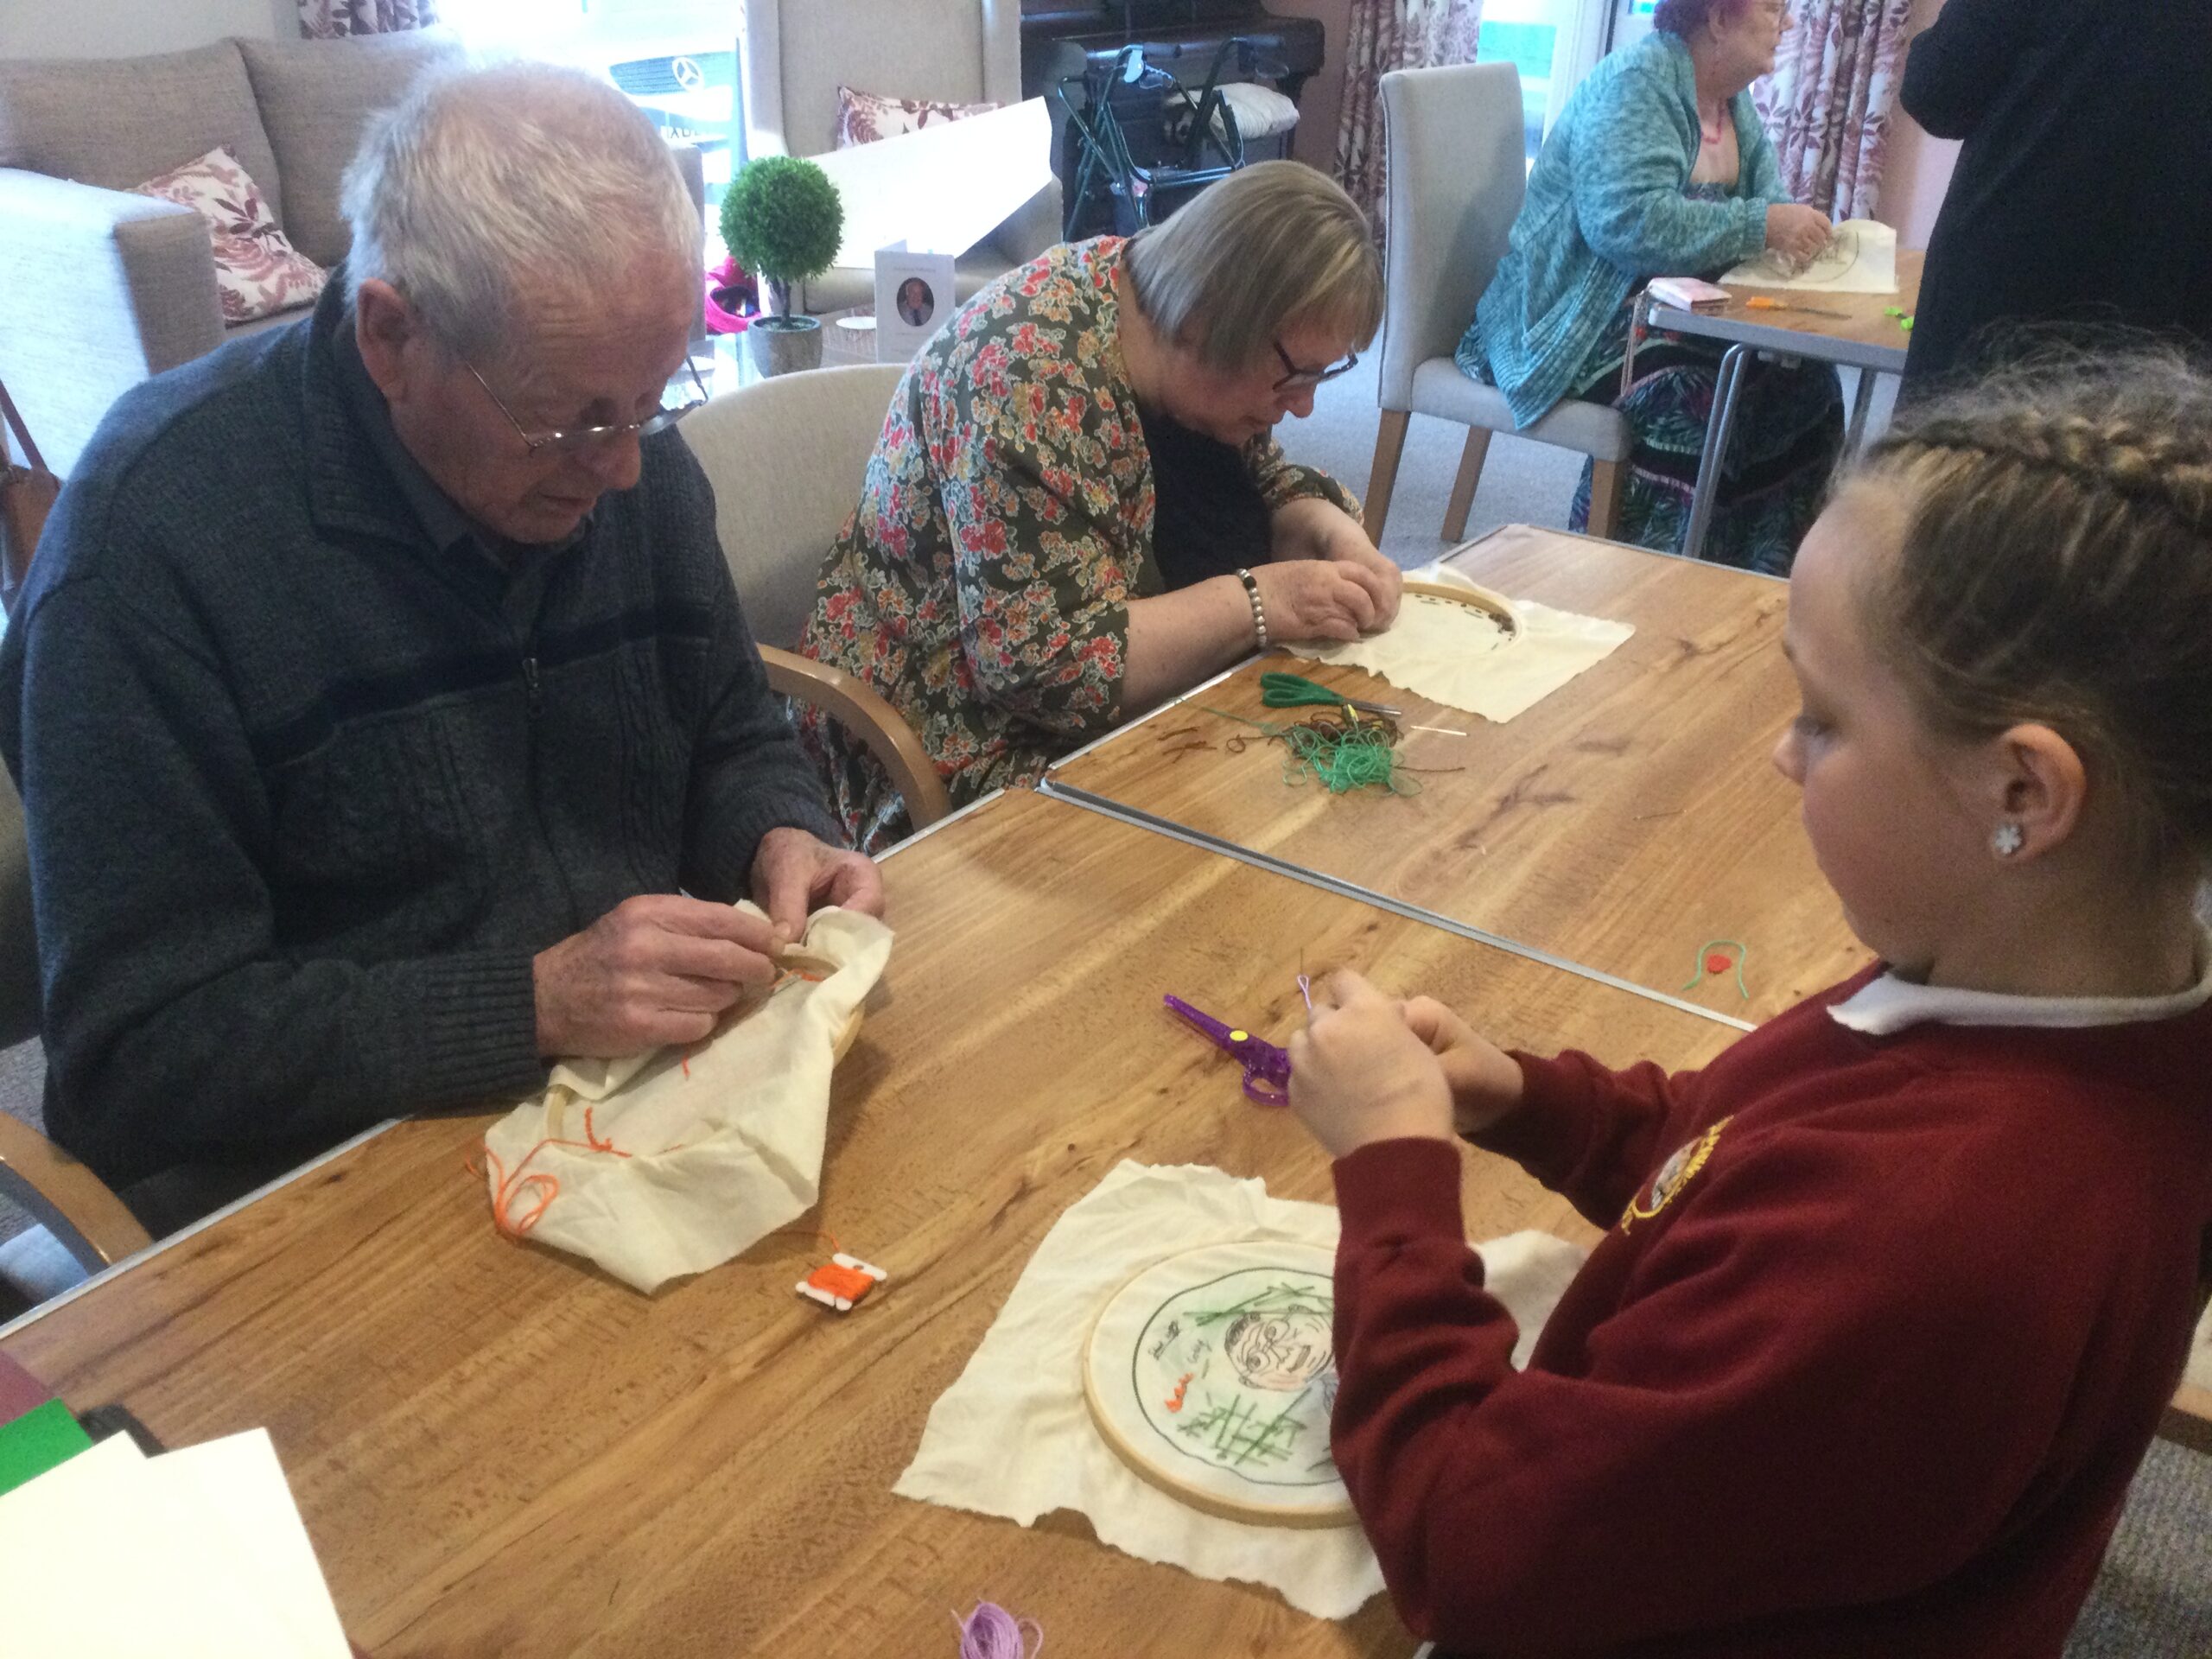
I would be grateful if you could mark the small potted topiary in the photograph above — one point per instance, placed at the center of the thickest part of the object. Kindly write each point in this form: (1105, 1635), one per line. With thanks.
(783, 222)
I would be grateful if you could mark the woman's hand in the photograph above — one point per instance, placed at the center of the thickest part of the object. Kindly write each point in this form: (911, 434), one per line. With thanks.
(1359, 1073)
(1798, 234)
(1311, 528)
(1316, 599)
(1485, 1082)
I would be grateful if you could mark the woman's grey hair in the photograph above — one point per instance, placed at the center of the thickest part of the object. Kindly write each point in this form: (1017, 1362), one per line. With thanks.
(484, 183)
(1271, 246)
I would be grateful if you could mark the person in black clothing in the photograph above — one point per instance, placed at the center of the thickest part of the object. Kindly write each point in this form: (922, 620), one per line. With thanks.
(2084, 192)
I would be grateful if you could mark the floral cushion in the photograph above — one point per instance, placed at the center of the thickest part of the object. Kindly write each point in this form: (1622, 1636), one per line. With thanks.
(257, 272)
(863, 117)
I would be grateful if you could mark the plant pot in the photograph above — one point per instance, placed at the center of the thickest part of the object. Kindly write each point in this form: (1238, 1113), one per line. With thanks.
(781, 345)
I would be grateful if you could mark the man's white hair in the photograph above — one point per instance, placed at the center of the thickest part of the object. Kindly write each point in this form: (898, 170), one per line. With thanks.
(486, 183)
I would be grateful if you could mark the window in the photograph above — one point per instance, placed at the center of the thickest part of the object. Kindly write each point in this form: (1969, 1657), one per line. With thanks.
(676, 60)
(1554, 43)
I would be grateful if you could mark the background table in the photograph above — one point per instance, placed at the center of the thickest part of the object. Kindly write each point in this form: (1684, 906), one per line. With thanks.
(724, 361)
(1620, 823)
(499, 1450)
(1865, 338)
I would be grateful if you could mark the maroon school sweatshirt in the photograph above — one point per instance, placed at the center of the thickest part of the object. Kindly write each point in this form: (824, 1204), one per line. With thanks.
(1880, 1331)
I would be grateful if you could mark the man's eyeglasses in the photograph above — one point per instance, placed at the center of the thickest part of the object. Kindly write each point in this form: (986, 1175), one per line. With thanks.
(1297, 379)
(584, 437)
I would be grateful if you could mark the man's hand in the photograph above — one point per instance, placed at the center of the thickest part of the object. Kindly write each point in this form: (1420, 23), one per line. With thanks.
(1359, 1074)
(794, 876)
(657, 968)
(1310, 528)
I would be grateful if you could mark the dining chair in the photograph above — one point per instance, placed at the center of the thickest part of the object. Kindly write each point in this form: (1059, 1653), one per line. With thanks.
(1453, 142)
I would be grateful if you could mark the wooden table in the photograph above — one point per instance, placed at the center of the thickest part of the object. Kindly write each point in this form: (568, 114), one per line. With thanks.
(497, 1450)
(1619, 824)
(1865, 338)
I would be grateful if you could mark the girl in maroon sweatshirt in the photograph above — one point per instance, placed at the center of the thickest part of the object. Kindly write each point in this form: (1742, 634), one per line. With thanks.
(1894, 1290)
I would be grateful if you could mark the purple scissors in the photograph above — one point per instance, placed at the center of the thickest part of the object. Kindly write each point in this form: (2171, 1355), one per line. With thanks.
(1262, 1061)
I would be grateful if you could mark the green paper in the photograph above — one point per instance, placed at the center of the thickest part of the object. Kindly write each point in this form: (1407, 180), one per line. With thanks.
(36, 1441)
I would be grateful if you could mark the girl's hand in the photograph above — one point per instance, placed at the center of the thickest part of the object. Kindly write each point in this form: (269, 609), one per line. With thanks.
(1359, 1074)
(1485, 1082)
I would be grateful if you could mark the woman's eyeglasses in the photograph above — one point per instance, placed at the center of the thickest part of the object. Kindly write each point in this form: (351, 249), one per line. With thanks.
(1299, 379)
(585, 437)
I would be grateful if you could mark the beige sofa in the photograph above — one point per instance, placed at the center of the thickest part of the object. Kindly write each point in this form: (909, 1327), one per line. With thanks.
(101, 288)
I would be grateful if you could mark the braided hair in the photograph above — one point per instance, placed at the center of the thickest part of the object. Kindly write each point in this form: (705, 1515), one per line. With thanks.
(2058, 567)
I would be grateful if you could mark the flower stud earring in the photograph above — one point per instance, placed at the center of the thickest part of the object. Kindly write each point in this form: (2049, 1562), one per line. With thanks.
(2007, 839)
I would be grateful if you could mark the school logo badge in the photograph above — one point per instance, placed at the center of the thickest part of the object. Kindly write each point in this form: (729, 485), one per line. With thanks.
(1673, 1175)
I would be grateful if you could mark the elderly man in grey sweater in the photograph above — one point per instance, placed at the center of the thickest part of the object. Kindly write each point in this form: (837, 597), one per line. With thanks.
(381, 692)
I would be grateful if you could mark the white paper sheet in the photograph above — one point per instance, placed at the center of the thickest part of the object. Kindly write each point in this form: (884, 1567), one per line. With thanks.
(1861, 258)
(1014, 1437)
(2199, 1357)
(198, 1555)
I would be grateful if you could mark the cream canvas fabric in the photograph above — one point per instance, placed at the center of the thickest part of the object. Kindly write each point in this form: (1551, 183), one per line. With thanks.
(1014, 1437)
(674, 1161)
(1445, 657)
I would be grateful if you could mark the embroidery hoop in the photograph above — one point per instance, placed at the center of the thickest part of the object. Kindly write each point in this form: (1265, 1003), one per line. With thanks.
(1482, 600)
(1113, 1369)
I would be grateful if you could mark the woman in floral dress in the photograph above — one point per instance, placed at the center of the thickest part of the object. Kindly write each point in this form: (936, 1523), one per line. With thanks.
(1078, 509)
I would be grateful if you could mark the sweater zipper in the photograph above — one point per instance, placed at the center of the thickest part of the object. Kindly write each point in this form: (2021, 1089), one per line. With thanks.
(534, 695)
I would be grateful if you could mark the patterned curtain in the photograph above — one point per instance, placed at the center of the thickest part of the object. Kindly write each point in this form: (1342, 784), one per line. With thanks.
(1387, 34)
(330, 20)
(1828, 102)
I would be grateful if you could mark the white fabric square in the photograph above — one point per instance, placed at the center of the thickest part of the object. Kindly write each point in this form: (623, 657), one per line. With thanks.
(1437, 653)
(674, 1161)
(1014, 1437)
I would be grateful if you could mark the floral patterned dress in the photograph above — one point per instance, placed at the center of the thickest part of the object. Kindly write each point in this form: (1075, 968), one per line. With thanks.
(983, 583)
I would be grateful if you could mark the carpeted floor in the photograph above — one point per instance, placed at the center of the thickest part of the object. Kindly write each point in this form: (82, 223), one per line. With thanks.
(1522, 483)
(2154, 1597)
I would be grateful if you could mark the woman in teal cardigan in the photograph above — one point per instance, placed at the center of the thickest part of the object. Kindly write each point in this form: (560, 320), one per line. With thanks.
(1659, 166)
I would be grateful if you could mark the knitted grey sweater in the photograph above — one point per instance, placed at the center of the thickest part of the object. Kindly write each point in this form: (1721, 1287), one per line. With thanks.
(304, 801)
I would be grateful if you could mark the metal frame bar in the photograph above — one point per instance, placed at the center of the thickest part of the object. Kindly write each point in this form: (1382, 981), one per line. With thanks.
(1744, 337)
(1344, 889)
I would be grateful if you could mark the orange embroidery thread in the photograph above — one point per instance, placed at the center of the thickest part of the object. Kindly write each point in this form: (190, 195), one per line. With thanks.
(851, 1283)
(543, 1188)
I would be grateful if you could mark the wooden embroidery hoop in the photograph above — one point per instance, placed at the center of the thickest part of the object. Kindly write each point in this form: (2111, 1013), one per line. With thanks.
(1496, 606)
(1103, 1370)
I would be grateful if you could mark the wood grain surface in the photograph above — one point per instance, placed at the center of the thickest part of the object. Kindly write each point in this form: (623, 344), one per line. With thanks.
(499, 1450)
(1866, 320)
(1623, 822)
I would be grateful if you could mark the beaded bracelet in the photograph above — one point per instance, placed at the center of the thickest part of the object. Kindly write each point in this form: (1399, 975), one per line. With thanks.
(1259, 610)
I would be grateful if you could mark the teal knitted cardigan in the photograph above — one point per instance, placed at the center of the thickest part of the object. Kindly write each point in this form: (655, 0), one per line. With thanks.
(1605, 211)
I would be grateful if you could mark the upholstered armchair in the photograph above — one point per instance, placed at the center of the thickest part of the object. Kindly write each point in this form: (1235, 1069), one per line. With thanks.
(100, 288)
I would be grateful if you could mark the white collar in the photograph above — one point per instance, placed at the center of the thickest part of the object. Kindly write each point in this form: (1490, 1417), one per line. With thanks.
(1887, 1004)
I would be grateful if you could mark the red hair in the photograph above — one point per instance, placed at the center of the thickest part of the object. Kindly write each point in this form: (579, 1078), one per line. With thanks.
(1686, 17)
